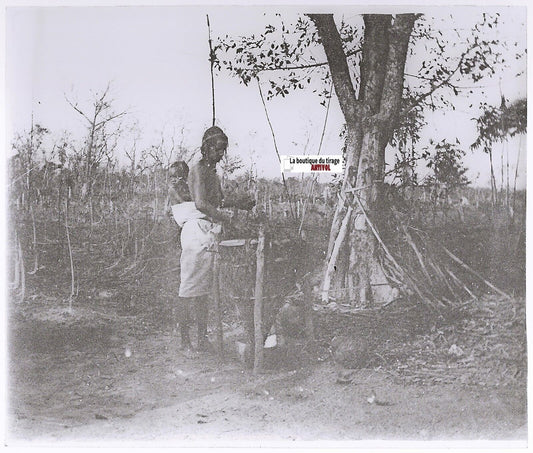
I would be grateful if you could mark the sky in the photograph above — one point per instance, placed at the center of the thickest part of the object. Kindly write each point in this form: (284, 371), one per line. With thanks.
(156, 62)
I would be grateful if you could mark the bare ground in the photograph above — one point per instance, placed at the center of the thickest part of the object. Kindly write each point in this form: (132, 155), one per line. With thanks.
(94, 375)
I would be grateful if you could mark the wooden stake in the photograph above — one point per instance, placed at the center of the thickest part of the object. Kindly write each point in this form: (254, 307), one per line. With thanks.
(289, 197)
(516, 172)
(212, 59)
(72, 289)
(216, 300)
(258, 302)
(35, 252)
(22, 271)
(308, 310)
(16, 277)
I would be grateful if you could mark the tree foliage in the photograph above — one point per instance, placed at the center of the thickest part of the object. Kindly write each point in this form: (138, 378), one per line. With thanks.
(290, 49)
(446, 163)
(441, 62)
(497, 123)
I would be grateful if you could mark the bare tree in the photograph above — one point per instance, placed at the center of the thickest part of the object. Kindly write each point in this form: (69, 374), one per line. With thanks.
(27, 146)
(101, 136)
(103, 132)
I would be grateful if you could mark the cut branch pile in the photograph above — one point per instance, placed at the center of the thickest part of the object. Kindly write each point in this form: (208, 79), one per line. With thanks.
(423, 268)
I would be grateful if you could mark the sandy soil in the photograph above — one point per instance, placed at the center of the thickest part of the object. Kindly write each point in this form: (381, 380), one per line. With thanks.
(89, 377)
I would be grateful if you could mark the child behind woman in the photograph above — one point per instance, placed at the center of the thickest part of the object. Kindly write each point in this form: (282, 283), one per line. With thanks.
(181, 204)
(179, 190)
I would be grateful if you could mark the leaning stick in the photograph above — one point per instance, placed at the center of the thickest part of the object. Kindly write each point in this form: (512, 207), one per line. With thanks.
(417, 253)
(405, 275)
(445, 279)
(335, 226)
(335, 253)
(376, 234)
(389, 271)
(472, 271)
(460, 283)
(439, 272)
(258, 302)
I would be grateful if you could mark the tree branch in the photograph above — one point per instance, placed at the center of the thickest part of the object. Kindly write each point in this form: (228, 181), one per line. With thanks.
(75, 107)
(435, 86)
(374, 60)
(108, 119)
(338, 64)
(305, 66)
(400, 33)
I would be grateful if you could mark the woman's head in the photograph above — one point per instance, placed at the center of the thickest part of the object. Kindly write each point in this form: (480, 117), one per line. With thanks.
(214, 144)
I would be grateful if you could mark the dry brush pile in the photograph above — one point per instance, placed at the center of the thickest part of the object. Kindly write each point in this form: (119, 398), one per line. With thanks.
(445, 265)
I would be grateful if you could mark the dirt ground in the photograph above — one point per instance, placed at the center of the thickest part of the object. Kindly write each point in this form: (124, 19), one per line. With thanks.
(96, 376)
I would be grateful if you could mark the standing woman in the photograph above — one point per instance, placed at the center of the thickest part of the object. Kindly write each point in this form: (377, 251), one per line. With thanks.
(198, 236)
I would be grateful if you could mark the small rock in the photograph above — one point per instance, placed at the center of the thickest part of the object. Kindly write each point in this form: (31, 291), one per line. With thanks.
(455, 351)
(271, 341)
(345, 376)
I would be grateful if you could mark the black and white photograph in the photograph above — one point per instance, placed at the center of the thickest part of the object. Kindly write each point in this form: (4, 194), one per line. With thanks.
(285, 225)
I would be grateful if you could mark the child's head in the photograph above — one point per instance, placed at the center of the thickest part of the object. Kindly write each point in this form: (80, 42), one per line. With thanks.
(179, 170)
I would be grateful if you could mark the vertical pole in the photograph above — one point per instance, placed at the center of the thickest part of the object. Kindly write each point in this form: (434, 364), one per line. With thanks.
(212, 59)
(308, 309)
(516, 172)
(507, 179)
(72, 280)
(258, 328)
(22, 271)
(16, 254)
(216, 300)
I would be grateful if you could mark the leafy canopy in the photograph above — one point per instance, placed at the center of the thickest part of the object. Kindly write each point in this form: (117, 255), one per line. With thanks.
(497, 123)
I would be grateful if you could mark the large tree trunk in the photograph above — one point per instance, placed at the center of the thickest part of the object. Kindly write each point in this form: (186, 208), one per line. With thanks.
(370, 119)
